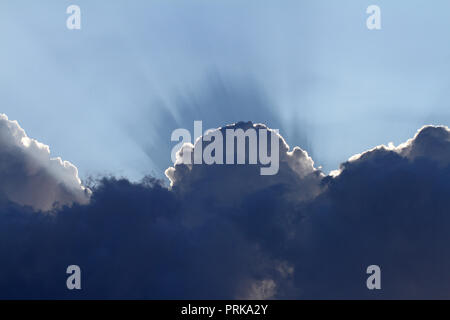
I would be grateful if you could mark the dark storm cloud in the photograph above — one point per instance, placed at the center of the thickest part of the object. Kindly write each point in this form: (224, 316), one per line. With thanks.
(227, 232)
(389, 207)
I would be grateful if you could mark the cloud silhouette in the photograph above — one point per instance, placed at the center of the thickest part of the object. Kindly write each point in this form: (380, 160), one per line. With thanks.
(225, 231)
(388, 206)
(30, 177)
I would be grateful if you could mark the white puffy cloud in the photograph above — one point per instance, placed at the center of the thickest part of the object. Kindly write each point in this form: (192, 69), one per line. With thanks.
(431, 142)
(29, 176)
(296, 170)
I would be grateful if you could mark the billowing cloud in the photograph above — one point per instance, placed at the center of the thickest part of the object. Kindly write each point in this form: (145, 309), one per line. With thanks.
(432, 142)
(388, 206)
(295, 168)
(29, 176)
(218, 99)
(225, 231)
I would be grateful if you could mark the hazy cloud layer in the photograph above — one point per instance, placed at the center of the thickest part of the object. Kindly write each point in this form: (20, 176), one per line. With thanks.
(225, 231)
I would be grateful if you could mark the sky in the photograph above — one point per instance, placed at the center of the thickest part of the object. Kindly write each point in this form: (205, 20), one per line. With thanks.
(108, 96)
(86, 178)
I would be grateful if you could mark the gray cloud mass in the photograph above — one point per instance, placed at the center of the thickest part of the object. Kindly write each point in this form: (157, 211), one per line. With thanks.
(29, 176)
(225, 231)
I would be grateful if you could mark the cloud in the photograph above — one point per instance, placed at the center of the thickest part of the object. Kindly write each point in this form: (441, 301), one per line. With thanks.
(388, 206)
(295, 167)
(431, 142)
(217, 99)
(225, 231)
(30, 177)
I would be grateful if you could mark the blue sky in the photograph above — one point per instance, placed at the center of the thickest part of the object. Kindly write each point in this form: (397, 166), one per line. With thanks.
(106, 97)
